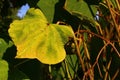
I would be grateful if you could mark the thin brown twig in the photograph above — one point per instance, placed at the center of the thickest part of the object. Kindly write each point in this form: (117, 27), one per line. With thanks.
(107, 43)
(115, 12)
(82, 31)
(103, 38)
(86, 73)
(118, 4)
(115, 49)
(99, 54)
(99, 71)
(113, 78)
(112, 15)
(79, 55)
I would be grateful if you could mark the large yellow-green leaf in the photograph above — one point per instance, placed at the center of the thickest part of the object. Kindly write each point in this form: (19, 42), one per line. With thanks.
(36, 38)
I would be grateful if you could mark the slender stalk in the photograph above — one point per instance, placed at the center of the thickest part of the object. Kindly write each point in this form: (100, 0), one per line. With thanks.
(67, 70)
(79, 55)
(99, 54)
(103, 38)
(113, 78)
(99, 71)
(108, 66)
(115, 49)
(118, 4)
(21, 63)
(86, 50)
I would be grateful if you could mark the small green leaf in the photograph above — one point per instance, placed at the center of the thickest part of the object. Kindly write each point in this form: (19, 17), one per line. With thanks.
(3, 46)
(48, 8)
(36, 38)
(3, 70)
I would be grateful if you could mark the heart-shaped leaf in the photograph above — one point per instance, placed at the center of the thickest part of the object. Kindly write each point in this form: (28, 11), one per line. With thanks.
(36, 38)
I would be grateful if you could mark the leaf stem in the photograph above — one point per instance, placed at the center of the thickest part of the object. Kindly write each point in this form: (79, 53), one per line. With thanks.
(67, 70)
(21, 63)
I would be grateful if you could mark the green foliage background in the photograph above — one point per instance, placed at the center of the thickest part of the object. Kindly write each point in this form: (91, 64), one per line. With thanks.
(92, 53)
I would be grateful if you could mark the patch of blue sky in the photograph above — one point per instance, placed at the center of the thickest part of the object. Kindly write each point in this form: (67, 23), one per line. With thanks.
(22, 11)
(97, 16)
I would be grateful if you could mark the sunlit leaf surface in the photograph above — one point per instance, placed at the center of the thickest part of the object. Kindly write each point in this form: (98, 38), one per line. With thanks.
(36, 38)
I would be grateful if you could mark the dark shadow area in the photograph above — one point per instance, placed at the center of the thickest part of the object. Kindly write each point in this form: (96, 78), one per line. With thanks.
(93, 2)
(19, 3)
(115, 63)
(95, 46)
(10, 54)
(5, 9)
(33, 68)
